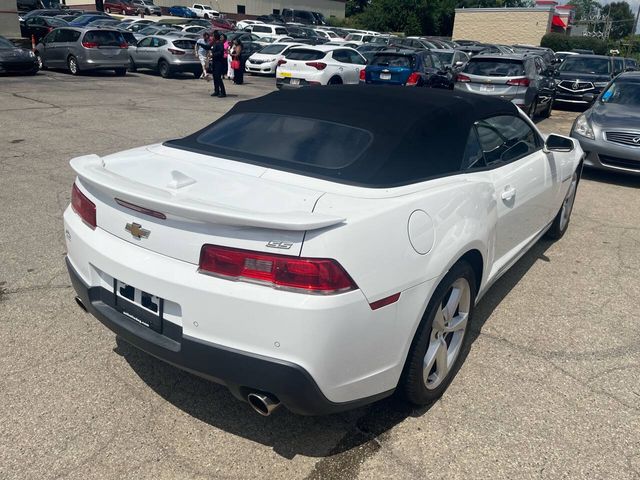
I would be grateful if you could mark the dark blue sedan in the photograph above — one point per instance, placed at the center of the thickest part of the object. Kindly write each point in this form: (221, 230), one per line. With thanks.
(84, 20)
(181, 11)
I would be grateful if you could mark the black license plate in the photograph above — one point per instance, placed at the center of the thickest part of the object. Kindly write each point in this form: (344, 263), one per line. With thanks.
(138, 305)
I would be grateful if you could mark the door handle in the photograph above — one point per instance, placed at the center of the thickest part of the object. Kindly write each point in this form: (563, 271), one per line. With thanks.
(509, 193)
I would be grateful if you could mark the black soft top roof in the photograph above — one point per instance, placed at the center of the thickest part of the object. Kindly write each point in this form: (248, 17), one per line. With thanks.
(417, 133)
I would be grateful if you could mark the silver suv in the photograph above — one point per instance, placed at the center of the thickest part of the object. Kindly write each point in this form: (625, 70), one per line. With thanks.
(522, 79)
(147, 7)
(167, 55)
(83, 49)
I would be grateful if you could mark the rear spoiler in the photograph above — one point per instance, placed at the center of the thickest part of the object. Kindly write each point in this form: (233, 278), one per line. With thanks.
(91, 169)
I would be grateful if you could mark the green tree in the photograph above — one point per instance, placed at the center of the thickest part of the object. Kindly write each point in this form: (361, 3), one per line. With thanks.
(621, 17)
(585, 8)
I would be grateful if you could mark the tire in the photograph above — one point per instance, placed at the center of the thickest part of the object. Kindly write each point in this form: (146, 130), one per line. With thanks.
(107, 10)
(163, 69)
(206, 16)
(335, 81)
(146, 11)
(120, 72)
(547, 111)
(72, 65)
(132, 65)
(531, 112)
(39, 61)
(438, 342)
(561, 222)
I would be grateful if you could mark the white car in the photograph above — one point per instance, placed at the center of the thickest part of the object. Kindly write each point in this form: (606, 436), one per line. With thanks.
(319, 65)
(358, 38)
(242, 24)
(307, 250)
(328, 35)
(263, 30)
(204, 11)
(265, 61)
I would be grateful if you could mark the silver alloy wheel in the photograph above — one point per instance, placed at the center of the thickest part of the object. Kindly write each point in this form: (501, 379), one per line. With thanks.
(567, 205)
(447, 334)
(39, 60)
(73, 66)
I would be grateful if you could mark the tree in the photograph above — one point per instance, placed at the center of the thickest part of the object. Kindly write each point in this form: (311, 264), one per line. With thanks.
(585, 8)
(353, 7)
(621, 17)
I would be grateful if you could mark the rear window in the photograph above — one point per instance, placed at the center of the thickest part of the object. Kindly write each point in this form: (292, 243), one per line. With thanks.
(261, 29)
(281, 31)
(276, 139)
(446, 57)
(104, 38)
(185, 44)
(491, 67)
(393, 60)
(578, 64)
(273, 49)
(304, 54)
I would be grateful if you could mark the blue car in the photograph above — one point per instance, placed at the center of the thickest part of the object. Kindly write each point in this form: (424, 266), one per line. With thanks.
(180, 11)
(408, 67)
(84, 20)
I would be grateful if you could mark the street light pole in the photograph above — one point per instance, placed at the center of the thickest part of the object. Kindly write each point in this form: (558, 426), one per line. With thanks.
(635, 23)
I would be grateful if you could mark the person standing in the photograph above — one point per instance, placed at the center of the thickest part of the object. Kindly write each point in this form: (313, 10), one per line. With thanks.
(201, 53)
(228, 47)
(218, 66)
(236, 64)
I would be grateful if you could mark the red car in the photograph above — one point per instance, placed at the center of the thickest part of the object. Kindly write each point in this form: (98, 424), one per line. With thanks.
(222, 24)
(120, 6)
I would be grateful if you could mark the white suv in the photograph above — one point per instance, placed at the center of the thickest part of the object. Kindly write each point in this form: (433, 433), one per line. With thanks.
(319, 65)
(204, 11)
(262, 30)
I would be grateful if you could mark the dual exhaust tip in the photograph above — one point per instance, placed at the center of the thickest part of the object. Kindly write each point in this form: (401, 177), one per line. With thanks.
(263, 403)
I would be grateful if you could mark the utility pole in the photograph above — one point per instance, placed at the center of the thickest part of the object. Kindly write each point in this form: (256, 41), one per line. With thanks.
(635, 23)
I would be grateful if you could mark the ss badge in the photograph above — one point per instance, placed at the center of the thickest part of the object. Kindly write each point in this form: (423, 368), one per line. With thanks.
(280, 245)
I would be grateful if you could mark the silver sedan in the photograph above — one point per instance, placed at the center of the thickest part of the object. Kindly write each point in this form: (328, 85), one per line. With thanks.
(167, 55)
(609, 131)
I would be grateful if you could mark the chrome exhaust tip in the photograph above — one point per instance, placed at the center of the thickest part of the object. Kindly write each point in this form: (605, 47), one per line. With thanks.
(263, 403)
(80, 304)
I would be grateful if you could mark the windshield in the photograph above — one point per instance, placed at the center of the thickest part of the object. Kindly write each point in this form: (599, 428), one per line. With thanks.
(446, 57)
(623, 93)
(273, 49)
(56, 22)
(593, 66)
(491, 67)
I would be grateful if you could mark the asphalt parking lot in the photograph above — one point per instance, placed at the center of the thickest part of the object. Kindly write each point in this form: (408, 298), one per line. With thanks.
(549, 388)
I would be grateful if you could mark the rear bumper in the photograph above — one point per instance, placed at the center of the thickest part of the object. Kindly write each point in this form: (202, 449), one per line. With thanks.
(241, 372)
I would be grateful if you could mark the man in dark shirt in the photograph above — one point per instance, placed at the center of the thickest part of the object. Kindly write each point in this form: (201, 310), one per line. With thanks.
(218, 66)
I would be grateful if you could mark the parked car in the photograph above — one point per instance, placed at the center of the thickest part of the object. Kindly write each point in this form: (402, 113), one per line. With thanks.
(16, 59)
(263, 30)
(362, 225)
(242, 24)
(86, 19)
(124, 7)
(204, 11)
(580, 78)
(25, 6)
(182, 11)
(244, 37)
(306, 35)
(265, 61)
(166, 55)
(319, 65)
(415, 42)
(454, 59)
(40, 26)
(105, 22)
(412, 68)
(147, 7)
(329, 35)
(560, 56)
(84, 49)
(609, 131)
(630, 65)
(131, 40)
(41, 12)
(358, 38)
(522, 79)
(304, 17)
(368, 50)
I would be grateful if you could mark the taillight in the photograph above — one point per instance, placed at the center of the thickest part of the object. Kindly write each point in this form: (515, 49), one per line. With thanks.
(519, 82)
(317, 65)
(308, 275)
(90, 44)
(462, 78)
(83, 206)
(363, 75)
(413, 79)
(49, 29)
(124, 45)
(281, 62)
(175, 52)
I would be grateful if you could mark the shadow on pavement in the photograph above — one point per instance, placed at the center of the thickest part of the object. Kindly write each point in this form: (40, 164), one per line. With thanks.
(345, 439)
(614, 178)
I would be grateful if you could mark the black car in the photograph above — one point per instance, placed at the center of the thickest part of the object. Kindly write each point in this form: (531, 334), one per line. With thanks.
(16, 60)
(305, 35)
(305, 17)
(273, 19)
(630, 65)
(408, 68)
(580, 78)
(40, 26)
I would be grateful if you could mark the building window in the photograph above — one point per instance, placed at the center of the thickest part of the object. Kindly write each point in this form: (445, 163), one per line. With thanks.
(276, 11)
(241, 9)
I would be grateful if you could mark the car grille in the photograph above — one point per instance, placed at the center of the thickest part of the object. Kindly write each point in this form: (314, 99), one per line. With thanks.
(624, 138)
(620, 162)
(257, 62)
(575, 86)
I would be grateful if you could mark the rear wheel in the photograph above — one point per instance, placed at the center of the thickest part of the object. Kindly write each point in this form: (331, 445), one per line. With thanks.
(335, 81)
(531, 113)
(561, 222)
(39, 62)
(163, 69)
(547, 111)
(72, 63)
(132, 65)
(206, 16)
(121, 72)
(435, 354)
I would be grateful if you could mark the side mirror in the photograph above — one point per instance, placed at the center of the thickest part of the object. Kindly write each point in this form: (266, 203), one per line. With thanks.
(558, 143)
(459, 63)
(589, 97)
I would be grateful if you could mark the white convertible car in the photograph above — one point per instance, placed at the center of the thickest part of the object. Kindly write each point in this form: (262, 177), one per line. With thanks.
(318, 248)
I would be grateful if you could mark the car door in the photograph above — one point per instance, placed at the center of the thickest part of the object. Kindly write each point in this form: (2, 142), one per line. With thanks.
(47, 49)
(141, 54)
(55, 47)
(358, 63)
(156, 51)
(343, 66)
(525, 182)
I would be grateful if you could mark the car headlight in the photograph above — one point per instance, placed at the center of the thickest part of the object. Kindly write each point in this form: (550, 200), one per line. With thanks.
(583, 128)
(31, 54)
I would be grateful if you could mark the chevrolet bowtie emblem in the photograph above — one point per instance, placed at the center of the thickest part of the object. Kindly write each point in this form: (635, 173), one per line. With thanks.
(136, 230)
